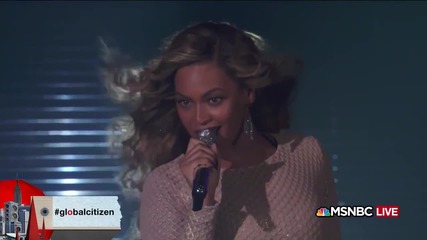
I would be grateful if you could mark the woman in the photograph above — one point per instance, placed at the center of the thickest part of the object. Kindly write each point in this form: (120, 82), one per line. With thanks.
(262, 184)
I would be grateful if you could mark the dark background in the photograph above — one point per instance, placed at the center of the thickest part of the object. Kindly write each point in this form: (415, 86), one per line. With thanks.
(362, 93)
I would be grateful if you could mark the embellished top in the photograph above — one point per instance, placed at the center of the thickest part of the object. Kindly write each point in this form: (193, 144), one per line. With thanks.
(274, 199)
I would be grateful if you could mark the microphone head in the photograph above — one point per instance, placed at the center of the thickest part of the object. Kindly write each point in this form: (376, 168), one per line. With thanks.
(208, 136)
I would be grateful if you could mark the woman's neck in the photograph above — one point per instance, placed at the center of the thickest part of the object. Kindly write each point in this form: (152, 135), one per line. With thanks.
(246, 152)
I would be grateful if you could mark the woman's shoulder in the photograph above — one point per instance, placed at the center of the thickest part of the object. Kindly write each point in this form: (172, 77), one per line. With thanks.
(167, 173)
(297, 140)
(298, 144)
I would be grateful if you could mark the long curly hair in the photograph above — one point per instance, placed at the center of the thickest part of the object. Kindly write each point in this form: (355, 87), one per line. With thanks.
(152, 134)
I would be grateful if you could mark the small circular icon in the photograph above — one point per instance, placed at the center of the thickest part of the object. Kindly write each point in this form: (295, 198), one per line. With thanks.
(44, 212)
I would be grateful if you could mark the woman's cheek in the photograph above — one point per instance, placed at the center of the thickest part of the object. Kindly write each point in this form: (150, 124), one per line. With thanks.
(185, 119)
(229, 123)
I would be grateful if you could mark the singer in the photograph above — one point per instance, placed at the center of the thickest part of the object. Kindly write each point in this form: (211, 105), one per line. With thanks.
(262, 184)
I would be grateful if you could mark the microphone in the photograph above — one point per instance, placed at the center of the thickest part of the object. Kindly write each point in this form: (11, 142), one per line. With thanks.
(201, 180)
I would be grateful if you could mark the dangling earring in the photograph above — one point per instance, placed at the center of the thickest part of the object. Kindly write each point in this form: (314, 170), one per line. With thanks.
(249, 127)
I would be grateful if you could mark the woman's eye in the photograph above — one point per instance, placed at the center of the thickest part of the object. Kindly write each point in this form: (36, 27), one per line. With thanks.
(215, 100)
(183, 102)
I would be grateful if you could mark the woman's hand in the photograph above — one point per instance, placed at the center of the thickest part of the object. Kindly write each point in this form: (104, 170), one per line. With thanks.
(199, 155)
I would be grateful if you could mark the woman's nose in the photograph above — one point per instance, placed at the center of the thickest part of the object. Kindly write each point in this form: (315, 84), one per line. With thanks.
(202, 116)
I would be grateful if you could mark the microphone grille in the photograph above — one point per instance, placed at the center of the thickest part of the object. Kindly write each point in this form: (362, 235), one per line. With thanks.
(208, 136)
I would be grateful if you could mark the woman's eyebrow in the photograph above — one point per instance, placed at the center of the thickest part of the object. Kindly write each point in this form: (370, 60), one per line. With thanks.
(180, 95)
(204, 94)
(211, 91)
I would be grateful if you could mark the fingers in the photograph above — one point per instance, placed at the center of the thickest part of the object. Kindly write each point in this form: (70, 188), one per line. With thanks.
(199, 155)
(199, 158)
(196, 162)
(202, 163)
(214, 148)
(202, 148)
(195, 142)
(192, 143)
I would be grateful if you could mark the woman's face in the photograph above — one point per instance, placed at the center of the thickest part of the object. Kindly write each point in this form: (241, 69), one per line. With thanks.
(206, 97)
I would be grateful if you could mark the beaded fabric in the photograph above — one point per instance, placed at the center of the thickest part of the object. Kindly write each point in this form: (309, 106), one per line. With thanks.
(275, 199)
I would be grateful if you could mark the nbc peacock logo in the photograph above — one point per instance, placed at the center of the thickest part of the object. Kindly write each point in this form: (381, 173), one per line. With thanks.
(323, 212)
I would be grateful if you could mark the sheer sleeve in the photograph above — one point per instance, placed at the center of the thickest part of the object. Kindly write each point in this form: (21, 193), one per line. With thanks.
(165, 210)
(328, 195)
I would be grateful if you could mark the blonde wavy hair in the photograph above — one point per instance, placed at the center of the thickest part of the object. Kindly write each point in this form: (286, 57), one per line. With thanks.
(152, 133)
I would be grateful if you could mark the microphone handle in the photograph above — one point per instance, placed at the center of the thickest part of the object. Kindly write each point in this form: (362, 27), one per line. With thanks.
(200, 188)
